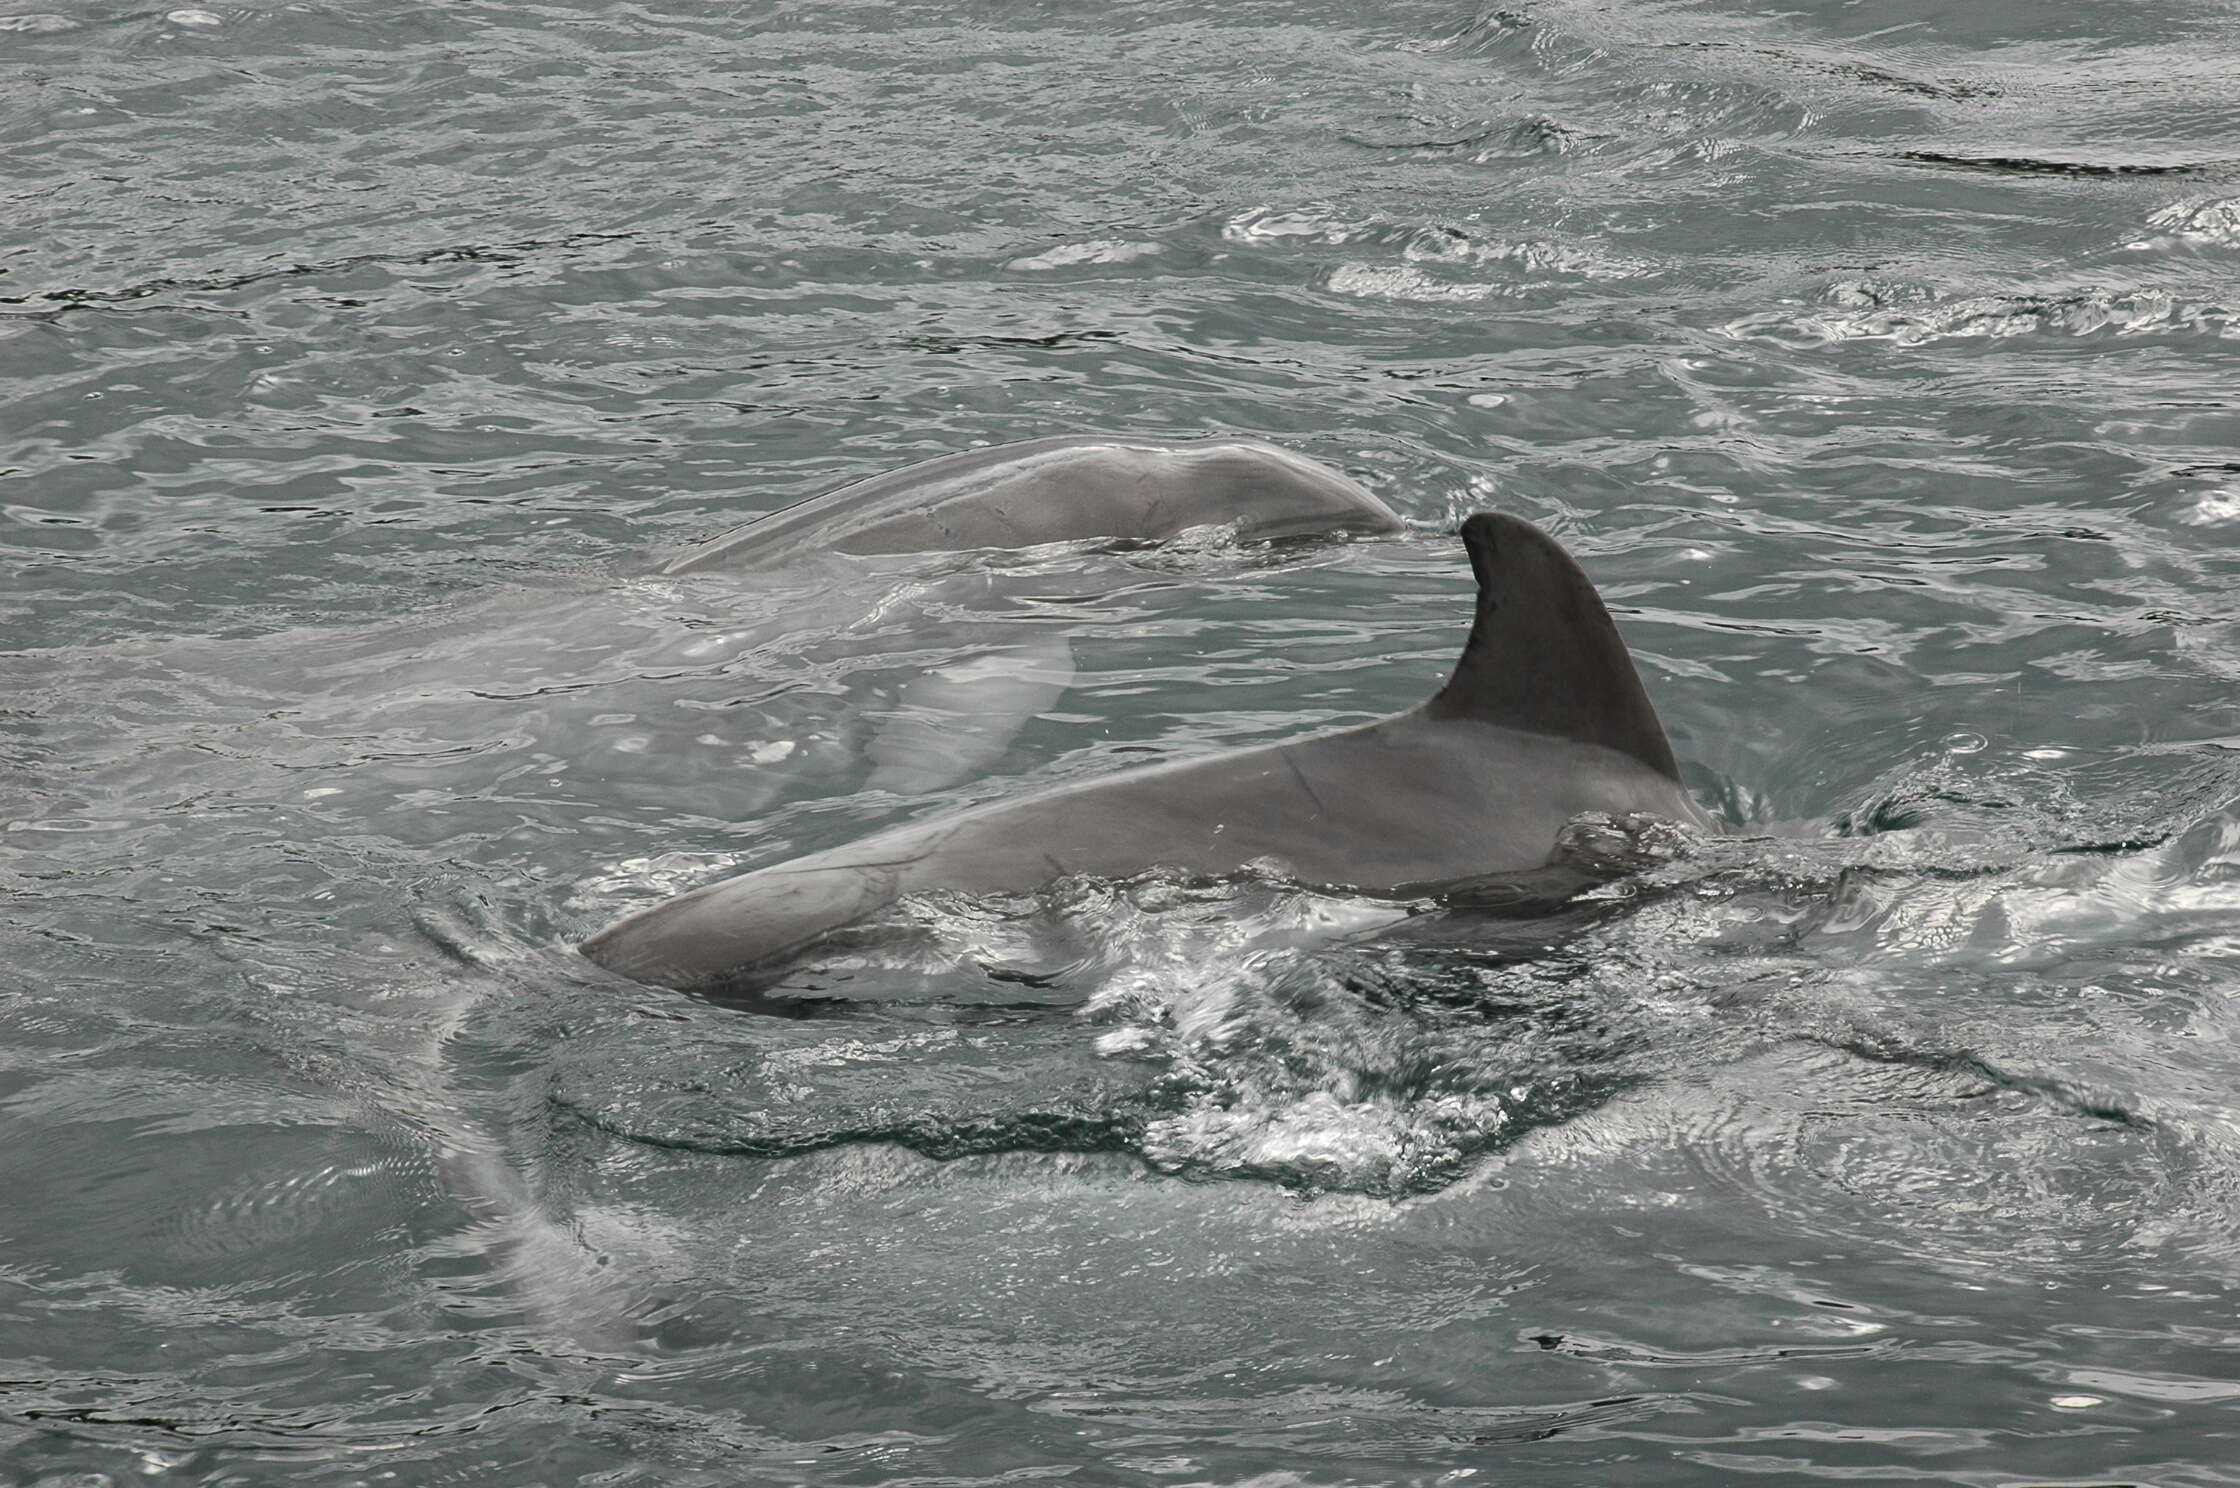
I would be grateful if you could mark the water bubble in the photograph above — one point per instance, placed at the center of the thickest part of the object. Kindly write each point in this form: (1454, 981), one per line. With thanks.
(1963, 742)
(2077, 1402)
(193, 18)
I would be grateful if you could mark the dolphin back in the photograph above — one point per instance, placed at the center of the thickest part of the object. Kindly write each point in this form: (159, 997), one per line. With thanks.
(1073, 487)
(1543, 719)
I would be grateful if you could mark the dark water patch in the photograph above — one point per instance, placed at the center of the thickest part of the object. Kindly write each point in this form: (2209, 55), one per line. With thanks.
(498, 254)
(1852, 70)
(783, 1089)
(2025, 165)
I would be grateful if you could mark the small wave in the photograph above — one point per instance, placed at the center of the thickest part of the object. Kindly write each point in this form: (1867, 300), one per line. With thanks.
(1425, 249)
(1475, 142)
(1449, 245)
(1853, 70)
(282, 1210)
(1909, 315)
(1319, 222)
(1438, 260)
(1404, 282)
(1488, 30)
(1942, 1164)
(2212, 222)
(1076, 255)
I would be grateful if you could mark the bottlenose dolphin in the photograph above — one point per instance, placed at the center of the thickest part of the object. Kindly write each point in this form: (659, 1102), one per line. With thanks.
(956, 720)
(1071, 487)
(1544, 718)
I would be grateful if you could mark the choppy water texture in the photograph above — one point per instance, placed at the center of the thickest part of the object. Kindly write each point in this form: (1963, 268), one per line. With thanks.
(1880, 360)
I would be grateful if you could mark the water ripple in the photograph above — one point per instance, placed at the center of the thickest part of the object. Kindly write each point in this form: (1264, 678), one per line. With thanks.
(362, 365)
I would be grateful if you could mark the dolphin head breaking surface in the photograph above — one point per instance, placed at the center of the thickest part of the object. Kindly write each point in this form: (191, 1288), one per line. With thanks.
(1543, 719)
(1070, 487)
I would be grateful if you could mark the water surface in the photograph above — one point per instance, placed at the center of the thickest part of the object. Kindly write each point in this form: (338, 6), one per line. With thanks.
(361, 364)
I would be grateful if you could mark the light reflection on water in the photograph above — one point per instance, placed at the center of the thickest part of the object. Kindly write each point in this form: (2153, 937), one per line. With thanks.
(1876, 359)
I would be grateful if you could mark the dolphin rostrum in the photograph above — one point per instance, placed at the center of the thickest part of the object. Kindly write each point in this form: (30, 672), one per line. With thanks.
(1544, 718)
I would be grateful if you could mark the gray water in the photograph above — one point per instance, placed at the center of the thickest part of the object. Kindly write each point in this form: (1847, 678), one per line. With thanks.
(1879, 359)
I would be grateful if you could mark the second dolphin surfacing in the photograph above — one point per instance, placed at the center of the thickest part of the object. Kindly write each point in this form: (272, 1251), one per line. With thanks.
(1065, 488)
(1544, 718)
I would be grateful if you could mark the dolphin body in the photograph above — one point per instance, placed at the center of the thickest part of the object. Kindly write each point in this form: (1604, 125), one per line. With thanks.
(1067, 488)
(956, 720)
(1544, 718)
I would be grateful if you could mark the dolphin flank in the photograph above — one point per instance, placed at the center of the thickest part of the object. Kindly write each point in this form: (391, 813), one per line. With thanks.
(1543, 718)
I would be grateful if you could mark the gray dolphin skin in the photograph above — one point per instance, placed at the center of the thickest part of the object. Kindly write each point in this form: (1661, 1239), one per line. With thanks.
(1067, 488)
(1543, 718)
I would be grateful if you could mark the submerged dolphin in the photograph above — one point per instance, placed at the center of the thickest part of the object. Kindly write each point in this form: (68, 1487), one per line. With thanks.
(956, 720)
(1544, 718)
(1067, 488)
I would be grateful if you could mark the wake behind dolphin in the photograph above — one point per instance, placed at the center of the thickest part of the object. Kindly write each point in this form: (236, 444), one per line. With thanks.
(1544, 718)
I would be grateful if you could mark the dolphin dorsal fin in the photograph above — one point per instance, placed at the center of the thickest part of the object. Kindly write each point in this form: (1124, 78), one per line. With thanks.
(1544, 655)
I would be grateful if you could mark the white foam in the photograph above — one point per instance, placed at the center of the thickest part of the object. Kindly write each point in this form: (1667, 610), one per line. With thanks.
(1071, 255)
(1909, 317)
(2196, 221)
(1263, 226)
(1378, 282)
(2214, 508)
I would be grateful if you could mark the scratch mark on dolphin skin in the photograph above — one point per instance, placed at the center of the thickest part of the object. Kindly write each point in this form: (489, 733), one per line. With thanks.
(1304, 784)
(858, 865)
(809, 867)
